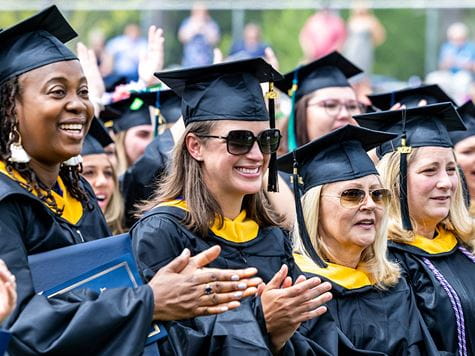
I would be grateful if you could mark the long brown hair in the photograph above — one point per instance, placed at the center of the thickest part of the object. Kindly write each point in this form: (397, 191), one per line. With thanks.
(184, 180)
(301, 133)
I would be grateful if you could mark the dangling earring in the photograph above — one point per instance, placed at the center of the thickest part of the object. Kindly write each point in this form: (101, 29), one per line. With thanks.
(73, 161)
(17, 152)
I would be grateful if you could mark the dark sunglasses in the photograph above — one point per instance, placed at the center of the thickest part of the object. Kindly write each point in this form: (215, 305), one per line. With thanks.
(240, 142)
(352, 198)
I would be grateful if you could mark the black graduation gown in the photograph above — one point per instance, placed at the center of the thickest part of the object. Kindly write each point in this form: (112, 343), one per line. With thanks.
(76, 323)
(432, 299)
(137, 183)
(382, 320)
(158, 237)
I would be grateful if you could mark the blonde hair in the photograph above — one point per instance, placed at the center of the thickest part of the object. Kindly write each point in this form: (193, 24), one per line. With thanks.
(184, 179)
(458, 221)
(114, 213)
(383, 273)
(121, 154)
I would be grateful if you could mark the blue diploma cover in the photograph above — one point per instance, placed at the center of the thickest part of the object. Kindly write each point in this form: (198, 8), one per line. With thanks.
(95, 265)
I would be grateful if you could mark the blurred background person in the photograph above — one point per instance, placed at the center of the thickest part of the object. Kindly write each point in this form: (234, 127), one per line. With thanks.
(251, 45)
(456, 63)
(125, 51)
(322, 33)
(199, 34)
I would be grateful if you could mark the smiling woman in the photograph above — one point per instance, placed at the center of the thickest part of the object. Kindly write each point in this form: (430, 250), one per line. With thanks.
(431, 232)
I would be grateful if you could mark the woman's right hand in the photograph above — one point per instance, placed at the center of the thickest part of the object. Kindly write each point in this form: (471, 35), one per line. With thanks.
(184, 289)
(286, 306)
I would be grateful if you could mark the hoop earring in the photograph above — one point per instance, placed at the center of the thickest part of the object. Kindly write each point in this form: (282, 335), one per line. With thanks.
(73, 161)
(17, 152)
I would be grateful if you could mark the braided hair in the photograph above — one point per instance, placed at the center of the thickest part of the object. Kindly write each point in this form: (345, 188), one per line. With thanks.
(9, 91)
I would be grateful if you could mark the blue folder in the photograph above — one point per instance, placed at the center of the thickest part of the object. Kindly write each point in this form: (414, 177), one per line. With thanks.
(96, 265)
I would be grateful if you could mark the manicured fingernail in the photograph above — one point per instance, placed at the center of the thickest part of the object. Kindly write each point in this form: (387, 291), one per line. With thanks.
(242, 285)
(235, 277)
(185, 252)
(238, 295)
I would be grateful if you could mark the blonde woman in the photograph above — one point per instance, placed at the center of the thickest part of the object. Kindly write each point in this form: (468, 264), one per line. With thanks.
(100, 173)
(431, 232)
(341, 238)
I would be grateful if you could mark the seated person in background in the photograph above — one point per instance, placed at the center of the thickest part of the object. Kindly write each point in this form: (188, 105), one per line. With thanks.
(250, 46)
(456, 63)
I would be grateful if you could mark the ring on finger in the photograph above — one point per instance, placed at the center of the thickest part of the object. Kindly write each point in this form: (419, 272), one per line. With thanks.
(208, 290)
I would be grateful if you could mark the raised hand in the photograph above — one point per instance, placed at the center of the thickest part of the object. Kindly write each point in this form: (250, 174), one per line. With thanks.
(286, 306)
(153, 59)
(184, 289)
(95, 83)
(7, 291)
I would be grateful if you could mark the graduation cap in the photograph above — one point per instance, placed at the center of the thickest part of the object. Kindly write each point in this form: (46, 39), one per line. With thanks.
(96, 139)
(332, 70)
(410, 97)
(134, 111)
(467, 112)
(417, 127)
(337, 156)
(35, 42)
(226, 91)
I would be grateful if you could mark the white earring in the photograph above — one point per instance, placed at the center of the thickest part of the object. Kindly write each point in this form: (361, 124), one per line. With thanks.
(73, 161)
(18, 153)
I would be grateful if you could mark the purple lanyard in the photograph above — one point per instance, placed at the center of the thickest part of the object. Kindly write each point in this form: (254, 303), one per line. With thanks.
(454, 300)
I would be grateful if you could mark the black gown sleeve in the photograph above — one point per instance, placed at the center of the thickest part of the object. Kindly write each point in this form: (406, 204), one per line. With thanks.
(115, 322)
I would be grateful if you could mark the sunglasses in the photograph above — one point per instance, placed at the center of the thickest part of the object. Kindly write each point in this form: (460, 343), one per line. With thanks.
(352, 198)
(240, 142)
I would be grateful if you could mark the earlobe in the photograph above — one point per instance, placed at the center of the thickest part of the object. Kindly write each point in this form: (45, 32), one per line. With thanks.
(194, 146)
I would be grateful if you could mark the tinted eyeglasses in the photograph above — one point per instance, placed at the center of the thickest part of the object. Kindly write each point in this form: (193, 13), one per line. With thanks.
(240, 142)
(352, 198)
(333, 107)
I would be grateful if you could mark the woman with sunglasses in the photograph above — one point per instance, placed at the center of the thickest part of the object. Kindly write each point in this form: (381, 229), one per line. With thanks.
(45, 205)
(431, 233)
(340, 236)
(213, 195)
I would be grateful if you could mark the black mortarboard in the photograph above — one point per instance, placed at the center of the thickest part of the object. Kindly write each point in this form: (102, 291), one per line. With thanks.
(467, 112)
(410, 97)
(227, 91)
(337, 156)
(96, 139)
(332, 70)
(224, 91)
(424, 125)
(35, 42)
(417, 127)
(134, 111)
